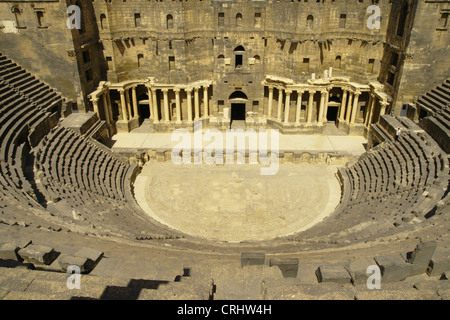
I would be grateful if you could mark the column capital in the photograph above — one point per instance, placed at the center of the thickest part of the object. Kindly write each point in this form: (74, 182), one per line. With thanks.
(176, 90)
(121, 90)
(94, 99)
(165, 90)
(384, 103)
(270, 88)
(300, 91)
(357, 93)
(287, 91)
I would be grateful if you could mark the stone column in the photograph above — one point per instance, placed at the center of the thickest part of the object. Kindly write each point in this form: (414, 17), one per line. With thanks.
(95, 104)
(150, 102)
(105, 108)
(155, 106)
(368, 110)
(322, 103)
(325, 108)
(280, 101)
(299, 106)
(205, 101)
(349, 107)
(372, 108)
(269, 107)
(287, 105)
(310, 106)
(135, 106)
(123, 105)
(177, 104)
(355, 107)
(189, 104)
(127, 101)
(343, 103)
(196, 104)
(166, 104)
(108, 99)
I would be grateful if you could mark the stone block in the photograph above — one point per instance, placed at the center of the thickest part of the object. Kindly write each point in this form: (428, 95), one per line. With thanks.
(288, 266)
(90, 253)
(393, 268)
(421, 257)
(85, 258)
(86, 265)
(439, 263)
(333, 273)
(38, 254)
(9, 250)
(358, 270)
(252, 258)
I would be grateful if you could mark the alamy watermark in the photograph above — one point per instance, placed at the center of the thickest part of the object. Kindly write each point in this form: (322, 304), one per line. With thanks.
(374, 21)
(74, 20)
(74, 280)
(374, 280)
(234, 143)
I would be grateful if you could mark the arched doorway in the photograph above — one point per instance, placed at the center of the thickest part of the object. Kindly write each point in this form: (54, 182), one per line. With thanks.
(333, 108)
(143, 104)
(238, 101)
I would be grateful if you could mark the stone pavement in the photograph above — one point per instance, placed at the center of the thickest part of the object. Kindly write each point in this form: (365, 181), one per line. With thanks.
(234, 202)
(353, 145)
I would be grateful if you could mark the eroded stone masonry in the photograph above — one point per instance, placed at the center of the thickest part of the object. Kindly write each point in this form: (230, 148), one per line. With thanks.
(87, 177)
(290, 65)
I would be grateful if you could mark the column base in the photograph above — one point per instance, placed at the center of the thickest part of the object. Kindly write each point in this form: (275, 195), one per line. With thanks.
(122, 126)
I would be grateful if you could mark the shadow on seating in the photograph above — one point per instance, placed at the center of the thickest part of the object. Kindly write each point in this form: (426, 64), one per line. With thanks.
(130, 292)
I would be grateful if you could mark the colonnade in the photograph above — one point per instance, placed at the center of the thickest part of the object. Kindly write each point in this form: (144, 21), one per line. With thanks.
(348, 108)
(159, 96)
(129, 105)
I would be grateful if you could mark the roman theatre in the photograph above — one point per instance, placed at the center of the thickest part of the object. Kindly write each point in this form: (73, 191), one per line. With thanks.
(224, 149)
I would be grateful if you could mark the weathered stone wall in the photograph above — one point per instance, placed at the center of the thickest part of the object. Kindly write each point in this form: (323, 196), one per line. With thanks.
(187, 41)
(46, 50)
(422, 49)
(276, 31)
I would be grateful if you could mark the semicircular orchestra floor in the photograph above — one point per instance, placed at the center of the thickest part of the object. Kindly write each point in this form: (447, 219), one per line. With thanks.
(234, 202)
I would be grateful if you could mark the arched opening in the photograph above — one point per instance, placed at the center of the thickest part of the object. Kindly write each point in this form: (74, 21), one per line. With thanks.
(140, 58)
(103, 22)
(40, 18)
(239, 56)
(257, 59)
(238, 100)
(309, 22)
(169, 21)
(239, 20)
(337, 62)
(143, 104)
(17, 14)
